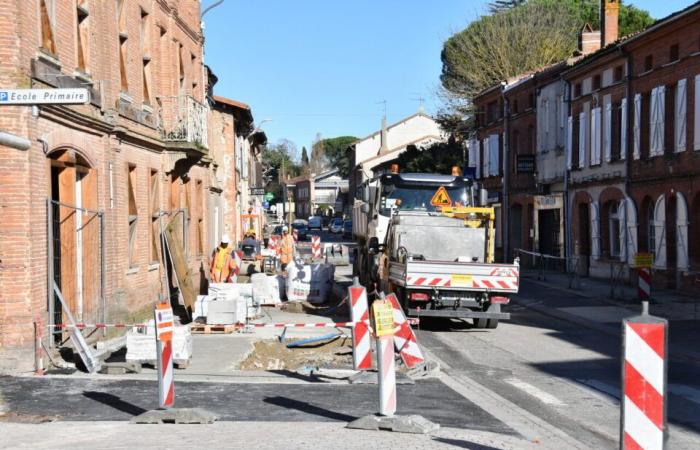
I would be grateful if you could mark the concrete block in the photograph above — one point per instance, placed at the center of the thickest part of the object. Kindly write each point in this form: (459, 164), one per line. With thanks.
(429, 369)
(414, 424)
(370, 377)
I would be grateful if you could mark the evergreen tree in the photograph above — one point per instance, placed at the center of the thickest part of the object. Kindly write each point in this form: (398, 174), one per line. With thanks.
(304, 157)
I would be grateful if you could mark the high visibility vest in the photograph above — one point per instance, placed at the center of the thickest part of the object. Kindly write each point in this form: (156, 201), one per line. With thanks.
(286, 249)
(223, 274)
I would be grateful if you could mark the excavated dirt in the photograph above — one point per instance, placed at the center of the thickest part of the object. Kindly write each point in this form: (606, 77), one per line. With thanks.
(274, 355)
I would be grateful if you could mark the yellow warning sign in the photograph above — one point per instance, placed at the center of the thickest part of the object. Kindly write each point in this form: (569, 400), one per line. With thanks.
(642, 260)
(441, 198)
(383, 314)
(461, 280)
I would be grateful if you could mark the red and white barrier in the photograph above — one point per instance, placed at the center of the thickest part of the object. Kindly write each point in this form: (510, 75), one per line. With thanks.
(305, 325)
(295, 235)
(643, 414)
(359, 314)
(316, 247)
(644, 283)
(405, 339)
(164, 347)
(387, 376)
(272, 242)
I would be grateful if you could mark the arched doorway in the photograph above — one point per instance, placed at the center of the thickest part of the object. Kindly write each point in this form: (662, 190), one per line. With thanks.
(581, 224)
(75, 236)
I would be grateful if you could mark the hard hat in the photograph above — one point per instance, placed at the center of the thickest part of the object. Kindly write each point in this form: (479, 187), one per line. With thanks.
(225, 239)
(285, 228)
(251, 232)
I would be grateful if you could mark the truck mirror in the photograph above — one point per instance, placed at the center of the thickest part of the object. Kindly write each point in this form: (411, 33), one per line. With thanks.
(365, 208)
(365, 194)
(483, 197)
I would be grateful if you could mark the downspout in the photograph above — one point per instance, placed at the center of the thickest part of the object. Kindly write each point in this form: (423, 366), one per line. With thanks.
(629, 131)
(568, 250)
(505, 208)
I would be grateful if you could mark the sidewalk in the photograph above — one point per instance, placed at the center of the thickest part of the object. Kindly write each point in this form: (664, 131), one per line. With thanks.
(591, 305)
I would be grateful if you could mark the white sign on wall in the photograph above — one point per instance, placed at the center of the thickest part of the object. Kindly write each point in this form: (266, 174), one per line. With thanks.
(66, 96)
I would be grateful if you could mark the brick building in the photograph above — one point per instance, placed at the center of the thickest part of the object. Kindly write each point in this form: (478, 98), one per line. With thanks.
(82, 207)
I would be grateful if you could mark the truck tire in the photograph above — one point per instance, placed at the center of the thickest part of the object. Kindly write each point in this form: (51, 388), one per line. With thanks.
(481, 323)
(492, 323)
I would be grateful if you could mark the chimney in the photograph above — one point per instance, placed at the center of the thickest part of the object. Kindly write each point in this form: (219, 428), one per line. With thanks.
(588, 40)
(609, 15)
(384, 147)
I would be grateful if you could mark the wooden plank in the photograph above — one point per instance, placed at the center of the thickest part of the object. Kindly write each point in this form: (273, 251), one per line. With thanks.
(179, 261)
(213, 329)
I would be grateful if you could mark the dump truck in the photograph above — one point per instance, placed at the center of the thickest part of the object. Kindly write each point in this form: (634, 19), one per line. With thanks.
(428, 239)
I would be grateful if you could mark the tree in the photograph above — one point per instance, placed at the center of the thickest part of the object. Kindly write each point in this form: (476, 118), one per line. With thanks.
(336, 155)
(519, 39)
(438, 157)
(503, 5)
(278, 162)
(304, 157)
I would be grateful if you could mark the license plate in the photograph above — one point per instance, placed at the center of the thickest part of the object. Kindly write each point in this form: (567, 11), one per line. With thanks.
(461, 280)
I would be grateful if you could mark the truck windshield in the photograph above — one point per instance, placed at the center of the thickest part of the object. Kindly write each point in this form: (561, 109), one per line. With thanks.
(417, 198)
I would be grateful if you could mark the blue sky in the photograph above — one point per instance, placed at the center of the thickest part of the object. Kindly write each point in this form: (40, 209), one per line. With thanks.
(324, 66)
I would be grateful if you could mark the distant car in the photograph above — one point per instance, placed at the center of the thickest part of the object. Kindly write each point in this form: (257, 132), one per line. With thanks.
(347, 228)
(302, 230)
(315, 223)
(336, 226)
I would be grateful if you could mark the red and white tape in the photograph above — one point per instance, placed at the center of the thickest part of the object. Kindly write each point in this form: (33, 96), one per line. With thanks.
(82, 326)
(644, 383)
(404, 338)
(359, 313)
(304, 325)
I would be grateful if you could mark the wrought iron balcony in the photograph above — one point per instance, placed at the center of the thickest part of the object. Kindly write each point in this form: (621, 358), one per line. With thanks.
(183, 120)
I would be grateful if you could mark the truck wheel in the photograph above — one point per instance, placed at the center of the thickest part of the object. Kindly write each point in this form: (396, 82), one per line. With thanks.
(480, 323)
(493, 323)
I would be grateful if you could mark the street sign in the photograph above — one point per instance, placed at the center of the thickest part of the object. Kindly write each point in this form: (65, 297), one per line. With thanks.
(441, 198)
(642, 260)
(257, 191)
(67, 96)
(269, 196)
(164, 322)
(383, 314)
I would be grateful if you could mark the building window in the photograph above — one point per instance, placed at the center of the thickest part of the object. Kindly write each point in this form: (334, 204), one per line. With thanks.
(531, 100)
(577, 90)
(515, 106)
(180, 69)
(651, 230)
(132, 214)
(82, 34)
(615, 132)
(648, 63)
(617, 74)
(614, 229)
(492, 111)
(154, 208)
(123, 40)
(596, 82)
(193, 69)
(673, 53)
(146, 57)
(48, 12)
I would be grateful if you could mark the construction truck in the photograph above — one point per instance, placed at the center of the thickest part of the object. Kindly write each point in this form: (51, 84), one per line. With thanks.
(428, 239)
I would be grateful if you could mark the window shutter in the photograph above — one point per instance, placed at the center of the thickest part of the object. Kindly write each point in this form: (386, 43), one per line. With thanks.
(595, 136)
(653, 120)
(661, 125)
(582, 140)
(569, 141)
(477, 157)
(679, 131)
(485, 162)
(660, 233)
(696, 144)
(637, 125)
(632, 227)
(497, 155)
(621, 232)
(595, 231)
(607, 132)
(681, 232)
(493, 155)
(623, 128)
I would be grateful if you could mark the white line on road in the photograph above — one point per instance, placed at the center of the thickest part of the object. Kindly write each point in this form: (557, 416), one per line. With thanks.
(539, 394)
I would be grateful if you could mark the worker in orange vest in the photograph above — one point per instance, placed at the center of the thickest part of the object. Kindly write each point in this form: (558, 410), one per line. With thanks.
(223, 264)
(285, 247)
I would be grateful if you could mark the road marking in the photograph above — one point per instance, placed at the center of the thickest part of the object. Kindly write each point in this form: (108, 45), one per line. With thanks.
(539, 394)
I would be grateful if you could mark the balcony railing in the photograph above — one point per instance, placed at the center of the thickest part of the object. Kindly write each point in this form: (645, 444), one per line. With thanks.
(183, 120)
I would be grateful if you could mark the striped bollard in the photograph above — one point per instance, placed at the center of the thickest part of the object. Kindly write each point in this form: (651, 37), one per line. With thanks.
(404, 339)
(644, 283)
(164, 349)
(383, 315)
(359, 314)
(316, 247)
(643, 415)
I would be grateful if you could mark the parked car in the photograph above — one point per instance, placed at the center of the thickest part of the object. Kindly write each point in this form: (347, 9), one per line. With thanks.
(326, 221)
(336, 226)
(347, 228)
(302, 230)
(315, 223)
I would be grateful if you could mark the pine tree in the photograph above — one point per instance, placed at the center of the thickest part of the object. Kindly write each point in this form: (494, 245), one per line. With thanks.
(304, 157)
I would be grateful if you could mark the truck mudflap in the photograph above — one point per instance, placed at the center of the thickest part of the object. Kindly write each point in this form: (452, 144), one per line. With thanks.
(458, 314)
(497, 278)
